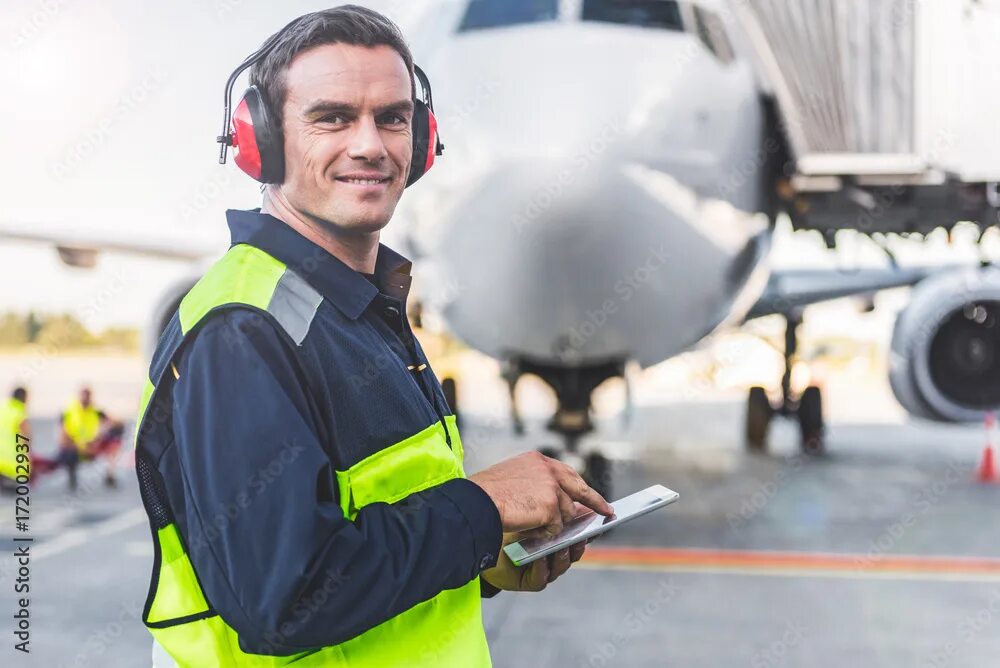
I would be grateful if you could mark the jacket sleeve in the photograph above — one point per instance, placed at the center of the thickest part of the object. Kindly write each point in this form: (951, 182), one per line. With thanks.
(271, 547)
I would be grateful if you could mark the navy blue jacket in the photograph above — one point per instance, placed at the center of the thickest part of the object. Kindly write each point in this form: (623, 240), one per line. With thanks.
(259, 429)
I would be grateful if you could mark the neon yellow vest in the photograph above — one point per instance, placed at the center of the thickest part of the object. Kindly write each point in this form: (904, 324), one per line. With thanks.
(446, 630)
(81, 424)
(11, 416)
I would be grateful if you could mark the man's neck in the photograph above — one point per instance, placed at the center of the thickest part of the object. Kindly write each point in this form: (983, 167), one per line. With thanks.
(356, 251)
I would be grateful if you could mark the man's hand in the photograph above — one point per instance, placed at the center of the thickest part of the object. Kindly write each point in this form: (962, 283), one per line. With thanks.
(531, 490)
(536, 575)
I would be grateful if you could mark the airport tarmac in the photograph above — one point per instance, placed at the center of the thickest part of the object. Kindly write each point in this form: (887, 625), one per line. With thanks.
(879, 554)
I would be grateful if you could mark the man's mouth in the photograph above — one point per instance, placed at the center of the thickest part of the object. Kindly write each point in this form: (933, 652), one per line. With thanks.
(364, 181)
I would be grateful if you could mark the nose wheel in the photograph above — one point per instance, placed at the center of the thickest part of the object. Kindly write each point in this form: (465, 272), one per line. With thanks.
(758, 421)
(597, 474)
(807, 409)
(810, 414)
(595, 468)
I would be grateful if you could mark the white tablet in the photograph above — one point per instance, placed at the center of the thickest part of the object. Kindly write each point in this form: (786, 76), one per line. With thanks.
(590, 524)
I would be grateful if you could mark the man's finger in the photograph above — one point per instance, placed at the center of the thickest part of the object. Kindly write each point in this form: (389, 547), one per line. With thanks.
(576, 551)
(538, 575)
(567, 508)
(554, 528)
(559, 564)
(580, 491)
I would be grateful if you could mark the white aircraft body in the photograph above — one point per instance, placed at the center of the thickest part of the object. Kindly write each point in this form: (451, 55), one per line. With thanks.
(612, 174)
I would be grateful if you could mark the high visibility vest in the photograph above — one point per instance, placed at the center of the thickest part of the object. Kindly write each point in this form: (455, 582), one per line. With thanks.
(446, 630)
(12, 414)
(81, 424)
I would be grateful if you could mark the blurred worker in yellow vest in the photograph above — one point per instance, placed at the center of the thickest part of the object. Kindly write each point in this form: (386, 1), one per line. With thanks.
(13, 422)
(86, 433)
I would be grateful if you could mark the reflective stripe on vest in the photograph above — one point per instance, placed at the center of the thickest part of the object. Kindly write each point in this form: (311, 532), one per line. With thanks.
(81, 424)
(446, 630)
(11, 416)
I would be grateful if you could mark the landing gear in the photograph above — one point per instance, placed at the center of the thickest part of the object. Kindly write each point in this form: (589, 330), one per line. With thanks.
(597, 473)
(510, 374)
(573, 387)
(759, 414)
(807, 409)
(810, 413)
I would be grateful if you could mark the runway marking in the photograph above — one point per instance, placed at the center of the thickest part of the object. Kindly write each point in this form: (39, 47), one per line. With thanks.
(792, 564)
(77, 537)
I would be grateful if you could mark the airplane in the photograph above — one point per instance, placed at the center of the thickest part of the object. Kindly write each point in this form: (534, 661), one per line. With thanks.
(612, 177)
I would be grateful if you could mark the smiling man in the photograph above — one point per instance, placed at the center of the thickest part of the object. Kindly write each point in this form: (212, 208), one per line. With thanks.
(300, 466)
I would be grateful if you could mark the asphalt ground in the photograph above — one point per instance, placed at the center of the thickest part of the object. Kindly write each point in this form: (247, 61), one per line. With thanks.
(884, 552)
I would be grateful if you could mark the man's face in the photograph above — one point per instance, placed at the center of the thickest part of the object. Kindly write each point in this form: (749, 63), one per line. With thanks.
(347, 114)
(85, 398)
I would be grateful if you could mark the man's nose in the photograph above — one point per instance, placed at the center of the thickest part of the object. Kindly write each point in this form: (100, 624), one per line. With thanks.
(366, 141)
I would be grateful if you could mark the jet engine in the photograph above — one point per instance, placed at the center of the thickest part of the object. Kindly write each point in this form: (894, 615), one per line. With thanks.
(944, 362)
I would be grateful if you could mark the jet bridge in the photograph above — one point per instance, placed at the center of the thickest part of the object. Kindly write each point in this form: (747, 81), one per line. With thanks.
(890, 109)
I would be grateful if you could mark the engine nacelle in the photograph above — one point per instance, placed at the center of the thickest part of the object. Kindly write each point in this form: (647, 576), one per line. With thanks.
(944, 363)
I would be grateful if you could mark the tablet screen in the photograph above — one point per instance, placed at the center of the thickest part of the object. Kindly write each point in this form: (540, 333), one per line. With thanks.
(590, 524)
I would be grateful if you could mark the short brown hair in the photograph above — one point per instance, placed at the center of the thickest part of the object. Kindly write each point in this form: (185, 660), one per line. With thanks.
(347, 24)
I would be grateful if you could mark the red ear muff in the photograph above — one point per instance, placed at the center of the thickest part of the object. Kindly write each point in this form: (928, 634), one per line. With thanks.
(247, 154)
(432, 140)
(424, 141)
(259, 152)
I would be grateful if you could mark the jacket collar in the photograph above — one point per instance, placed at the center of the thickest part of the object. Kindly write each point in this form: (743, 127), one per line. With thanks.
(344, 287)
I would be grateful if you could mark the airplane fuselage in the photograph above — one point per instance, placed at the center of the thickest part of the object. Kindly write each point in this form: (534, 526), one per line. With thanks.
(599, 196)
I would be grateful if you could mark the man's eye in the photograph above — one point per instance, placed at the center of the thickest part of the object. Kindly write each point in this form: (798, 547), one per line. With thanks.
(331, 118)
(393, 119)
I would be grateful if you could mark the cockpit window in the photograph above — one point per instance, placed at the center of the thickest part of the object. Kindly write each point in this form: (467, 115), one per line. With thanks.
(646, 13)
(481, 14)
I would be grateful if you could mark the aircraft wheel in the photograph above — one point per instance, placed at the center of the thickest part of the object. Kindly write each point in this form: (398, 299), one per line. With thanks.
(597, 473)
(758, 419)
(549, 451)
(810, 415)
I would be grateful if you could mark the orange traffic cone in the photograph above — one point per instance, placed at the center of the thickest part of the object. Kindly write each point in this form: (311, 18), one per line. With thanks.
(987, 471)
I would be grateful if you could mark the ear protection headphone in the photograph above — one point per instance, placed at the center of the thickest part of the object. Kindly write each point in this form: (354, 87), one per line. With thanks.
(253, 131)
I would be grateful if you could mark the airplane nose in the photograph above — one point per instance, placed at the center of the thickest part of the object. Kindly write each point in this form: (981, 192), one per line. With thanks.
(569, 202)
(574, 264)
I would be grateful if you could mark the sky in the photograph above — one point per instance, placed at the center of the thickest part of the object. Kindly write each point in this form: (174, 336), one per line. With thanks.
(110, 116)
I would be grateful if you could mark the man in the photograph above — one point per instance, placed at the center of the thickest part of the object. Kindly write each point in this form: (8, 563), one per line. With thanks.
(86, 433)
(14, 429)
(296, 456)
